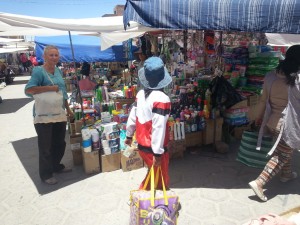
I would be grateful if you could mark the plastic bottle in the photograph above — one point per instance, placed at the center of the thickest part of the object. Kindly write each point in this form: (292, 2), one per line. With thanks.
(203, 121)
(175, 131)
(182, 115)
(178, 129)
(129, 93)
(208, 98)
(171, 129)
(182, 130)
(125, 91)
(205, 110)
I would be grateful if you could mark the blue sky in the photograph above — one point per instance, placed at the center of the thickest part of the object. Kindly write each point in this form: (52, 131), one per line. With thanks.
(62, 9)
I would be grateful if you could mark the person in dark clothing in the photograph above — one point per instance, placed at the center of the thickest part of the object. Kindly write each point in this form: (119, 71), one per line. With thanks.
(85, 69)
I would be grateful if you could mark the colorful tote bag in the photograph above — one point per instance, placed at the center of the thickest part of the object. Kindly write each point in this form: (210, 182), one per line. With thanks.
(248, 154)
(153, 207)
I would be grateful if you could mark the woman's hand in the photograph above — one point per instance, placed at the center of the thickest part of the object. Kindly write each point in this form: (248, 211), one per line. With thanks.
(156, 161)
(55, 88)
(70, 114)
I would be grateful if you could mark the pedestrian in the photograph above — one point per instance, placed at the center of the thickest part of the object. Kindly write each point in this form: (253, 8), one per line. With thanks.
(85, 69)
(149, 116)
(24, 61)
(281, 119)
(33, 60)
(50, 126)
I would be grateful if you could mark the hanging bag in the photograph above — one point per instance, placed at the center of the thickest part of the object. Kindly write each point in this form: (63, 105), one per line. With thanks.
(154, 206)
(49, 103)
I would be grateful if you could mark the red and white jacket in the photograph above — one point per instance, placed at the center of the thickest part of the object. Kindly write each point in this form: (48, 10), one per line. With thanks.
(149, 117)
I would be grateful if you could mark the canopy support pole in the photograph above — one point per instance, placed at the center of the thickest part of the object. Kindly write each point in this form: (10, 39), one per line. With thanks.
(76, 78)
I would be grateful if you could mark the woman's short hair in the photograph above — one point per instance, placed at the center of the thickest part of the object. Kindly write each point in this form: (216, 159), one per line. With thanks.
(49, 47)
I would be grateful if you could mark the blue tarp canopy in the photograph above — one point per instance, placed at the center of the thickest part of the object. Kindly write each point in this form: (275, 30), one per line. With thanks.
(86, 48)
(267, 16)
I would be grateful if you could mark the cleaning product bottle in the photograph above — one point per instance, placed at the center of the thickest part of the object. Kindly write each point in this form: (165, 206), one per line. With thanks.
(208, 98)
(206, 110)
(182, 130)
(175, 131)
(171, 128)
(178, 129)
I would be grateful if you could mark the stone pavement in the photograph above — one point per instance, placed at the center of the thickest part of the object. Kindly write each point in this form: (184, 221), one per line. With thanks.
(213, 188)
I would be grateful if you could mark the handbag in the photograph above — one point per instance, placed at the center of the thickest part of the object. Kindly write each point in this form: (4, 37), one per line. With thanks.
(248, 154)
(154, 206)
(49, 103)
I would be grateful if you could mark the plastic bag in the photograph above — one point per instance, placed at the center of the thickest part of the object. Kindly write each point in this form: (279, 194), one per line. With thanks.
(223, 93)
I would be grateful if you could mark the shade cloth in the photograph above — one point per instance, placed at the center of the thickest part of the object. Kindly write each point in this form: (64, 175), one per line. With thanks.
(86, 48)
(269, 16)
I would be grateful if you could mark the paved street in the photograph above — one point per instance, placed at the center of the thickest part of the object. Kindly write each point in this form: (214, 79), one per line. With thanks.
(213, 188)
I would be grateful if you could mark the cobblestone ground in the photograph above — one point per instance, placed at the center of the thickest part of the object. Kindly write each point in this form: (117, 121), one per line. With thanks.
(213, 188)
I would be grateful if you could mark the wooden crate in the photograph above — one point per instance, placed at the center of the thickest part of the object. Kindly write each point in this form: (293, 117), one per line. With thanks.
(194, 139)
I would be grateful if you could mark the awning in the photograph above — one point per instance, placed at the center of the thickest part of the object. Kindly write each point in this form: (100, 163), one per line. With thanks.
(110, 29)
(86, 48)
(9, 50)
(283, 39)
(268, 16)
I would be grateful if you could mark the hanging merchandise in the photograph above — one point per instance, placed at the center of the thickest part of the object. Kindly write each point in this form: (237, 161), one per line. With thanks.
(209, 38)
(223, 94)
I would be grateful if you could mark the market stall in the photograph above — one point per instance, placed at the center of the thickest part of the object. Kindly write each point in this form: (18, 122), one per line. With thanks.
(241, 57)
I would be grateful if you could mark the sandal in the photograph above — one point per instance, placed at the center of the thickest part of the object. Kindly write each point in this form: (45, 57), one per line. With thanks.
(257, 191)
(51, 181)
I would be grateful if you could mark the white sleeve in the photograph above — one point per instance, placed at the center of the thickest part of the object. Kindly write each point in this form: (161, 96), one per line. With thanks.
(159, 126)
(130, 126)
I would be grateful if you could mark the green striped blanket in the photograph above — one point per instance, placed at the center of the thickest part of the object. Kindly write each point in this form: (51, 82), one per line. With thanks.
(249, 155)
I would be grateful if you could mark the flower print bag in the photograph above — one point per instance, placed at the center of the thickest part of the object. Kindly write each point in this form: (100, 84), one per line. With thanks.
(49, 103)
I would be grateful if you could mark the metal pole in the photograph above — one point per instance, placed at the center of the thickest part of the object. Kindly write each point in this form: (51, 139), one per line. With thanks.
(78, 89)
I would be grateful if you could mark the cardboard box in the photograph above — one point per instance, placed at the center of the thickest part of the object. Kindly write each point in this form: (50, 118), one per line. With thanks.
(123, 101)
(133, 162)
(75, 146)
(91, 162)
(241, 104)
(77, 157)
(176, 148)
(252, 113)
(78, 125)
(75, 139)
(193, 139)
(71, 128)
(110, 162)
(253, 100)
(208, 133)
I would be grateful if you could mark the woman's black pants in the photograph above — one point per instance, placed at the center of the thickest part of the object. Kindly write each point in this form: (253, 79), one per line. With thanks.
(51, 144)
